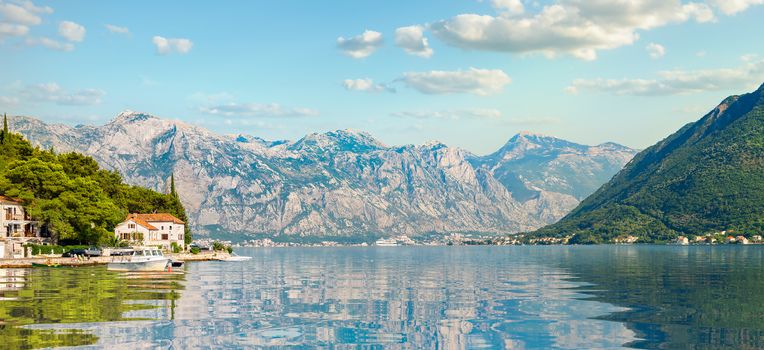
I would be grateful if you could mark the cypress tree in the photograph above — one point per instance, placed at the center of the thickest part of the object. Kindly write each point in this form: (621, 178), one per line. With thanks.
(172, 186)
(5, 128)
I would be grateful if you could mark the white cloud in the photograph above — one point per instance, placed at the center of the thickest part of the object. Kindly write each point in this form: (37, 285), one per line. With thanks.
(673, 82)
(10, 29)
(655, 51)
(52, 92)
(366, 85)
(475, 81)
(24, 12)
(456, 114)
(579, 28)
(361, 46)
(18, 16)
(233, 109)
(71, 31)
(117, 29)
(50, 43)
(510, 7)
(172, 45)
(731, 7)
(411, 39)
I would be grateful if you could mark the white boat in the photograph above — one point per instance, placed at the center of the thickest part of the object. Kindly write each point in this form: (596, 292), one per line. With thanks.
(234, 257)
(142, 260)
(386, 242)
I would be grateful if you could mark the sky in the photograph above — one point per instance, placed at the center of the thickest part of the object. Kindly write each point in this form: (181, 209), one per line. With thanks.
(468, 73)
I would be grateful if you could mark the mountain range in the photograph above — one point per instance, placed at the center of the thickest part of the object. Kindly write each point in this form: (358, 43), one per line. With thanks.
(705, 178)
(340, 183)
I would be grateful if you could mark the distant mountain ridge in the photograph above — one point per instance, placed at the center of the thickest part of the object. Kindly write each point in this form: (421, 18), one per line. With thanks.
(706, 177)
(341, 183)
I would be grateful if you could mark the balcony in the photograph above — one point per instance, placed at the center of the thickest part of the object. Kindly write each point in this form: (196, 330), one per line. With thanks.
(15, 217)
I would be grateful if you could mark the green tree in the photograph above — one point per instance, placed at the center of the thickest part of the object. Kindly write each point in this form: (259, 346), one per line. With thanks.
(5, 128)
(71, 195)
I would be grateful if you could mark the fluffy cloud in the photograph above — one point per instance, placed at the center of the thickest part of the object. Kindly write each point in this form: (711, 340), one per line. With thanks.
(366, 85)
(117, 29)
(674, 82)
(360, 46)
(411, 39)
(24, 12)
(511, 7)
(474, 81)
(52, 92)
(257, 110)
(18, 17)
(655, 51)
(71, 31)
(457, 114)
(731, 7)
(576, 27)
(50, 43)
(165, 46)
(10, 30)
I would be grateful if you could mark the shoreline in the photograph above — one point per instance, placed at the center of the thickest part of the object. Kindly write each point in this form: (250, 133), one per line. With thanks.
(100, 260)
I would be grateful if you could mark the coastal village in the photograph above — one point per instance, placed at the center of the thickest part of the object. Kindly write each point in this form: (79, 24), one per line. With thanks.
(19, 232)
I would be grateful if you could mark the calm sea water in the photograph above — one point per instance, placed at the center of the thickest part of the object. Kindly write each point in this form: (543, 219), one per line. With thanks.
(402, 298)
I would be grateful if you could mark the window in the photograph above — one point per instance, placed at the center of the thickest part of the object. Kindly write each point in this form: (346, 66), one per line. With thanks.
(130, 225)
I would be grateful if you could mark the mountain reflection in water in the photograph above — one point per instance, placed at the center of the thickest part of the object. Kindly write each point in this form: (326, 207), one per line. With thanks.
(402, 298)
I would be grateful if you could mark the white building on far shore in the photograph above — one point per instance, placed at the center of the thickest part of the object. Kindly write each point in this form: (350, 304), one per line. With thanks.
(152, 230)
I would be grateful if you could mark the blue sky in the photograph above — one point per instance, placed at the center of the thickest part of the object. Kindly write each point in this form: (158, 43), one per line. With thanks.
(468, 73)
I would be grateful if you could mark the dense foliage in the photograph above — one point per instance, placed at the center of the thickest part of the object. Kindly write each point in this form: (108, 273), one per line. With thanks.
(71, 195)
(705, 178)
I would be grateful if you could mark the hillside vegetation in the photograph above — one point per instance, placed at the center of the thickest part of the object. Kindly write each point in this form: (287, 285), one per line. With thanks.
(70, 194)
(706, 177)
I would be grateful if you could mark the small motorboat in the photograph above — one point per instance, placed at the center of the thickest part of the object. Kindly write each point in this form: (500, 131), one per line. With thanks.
(148, 259)
(234, 257)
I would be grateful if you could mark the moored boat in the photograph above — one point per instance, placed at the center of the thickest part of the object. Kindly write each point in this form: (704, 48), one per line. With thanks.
(235, 257)
(149, 259)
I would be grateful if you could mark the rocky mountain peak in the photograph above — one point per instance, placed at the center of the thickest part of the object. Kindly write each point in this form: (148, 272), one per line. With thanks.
(342, 182)
(129, 116)
(339, 140)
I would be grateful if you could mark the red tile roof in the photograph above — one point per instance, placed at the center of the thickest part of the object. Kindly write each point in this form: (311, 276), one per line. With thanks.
(9, 200)
(142, 223)
(159, 217)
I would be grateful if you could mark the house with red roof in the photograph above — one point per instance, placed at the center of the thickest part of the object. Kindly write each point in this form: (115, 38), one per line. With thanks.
(160, 229)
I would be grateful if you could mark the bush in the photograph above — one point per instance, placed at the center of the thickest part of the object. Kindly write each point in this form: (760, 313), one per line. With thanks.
(229, 249)
(175, 247)
(217, 246)
(38, 249)
(195, 250)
